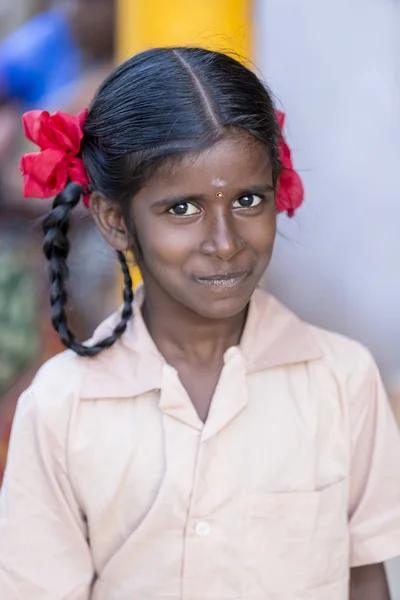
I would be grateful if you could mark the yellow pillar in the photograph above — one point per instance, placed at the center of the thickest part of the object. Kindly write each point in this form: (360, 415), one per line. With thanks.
(224, 25)
(214, 24)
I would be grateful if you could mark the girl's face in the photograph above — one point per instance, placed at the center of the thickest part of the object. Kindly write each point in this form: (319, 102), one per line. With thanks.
(206, 226)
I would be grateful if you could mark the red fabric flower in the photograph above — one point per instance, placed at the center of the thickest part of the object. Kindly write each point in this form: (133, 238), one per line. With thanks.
(59, 137)
(290, 188)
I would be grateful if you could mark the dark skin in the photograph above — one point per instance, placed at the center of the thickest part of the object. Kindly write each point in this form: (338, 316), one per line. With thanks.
(205, 225)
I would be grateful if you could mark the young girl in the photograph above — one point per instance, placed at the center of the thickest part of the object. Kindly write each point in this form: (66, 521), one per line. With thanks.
(205, 444)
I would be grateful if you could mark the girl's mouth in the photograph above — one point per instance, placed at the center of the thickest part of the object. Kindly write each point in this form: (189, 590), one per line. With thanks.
(222, 280)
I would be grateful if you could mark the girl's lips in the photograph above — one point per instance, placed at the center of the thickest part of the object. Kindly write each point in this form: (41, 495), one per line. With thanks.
(224, 281)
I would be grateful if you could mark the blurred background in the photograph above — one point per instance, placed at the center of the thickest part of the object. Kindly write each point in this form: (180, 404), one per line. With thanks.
(334, 70)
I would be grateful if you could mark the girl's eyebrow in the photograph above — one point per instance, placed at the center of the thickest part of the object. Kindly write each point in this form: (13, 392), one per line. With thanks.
(171, 200)
(254, 189)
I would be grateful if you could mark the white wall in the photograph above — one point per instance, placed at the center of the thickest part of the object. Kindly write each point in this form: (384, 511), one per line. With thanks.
(334, 68)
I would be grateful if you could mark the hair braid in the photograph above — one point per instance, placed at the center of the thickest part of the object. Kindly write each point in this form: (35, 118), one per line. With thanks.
(56, 249)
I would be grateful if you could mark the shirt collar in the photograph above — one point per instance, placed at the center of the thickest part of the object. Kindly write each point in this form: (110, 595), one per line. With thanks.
(273, 336)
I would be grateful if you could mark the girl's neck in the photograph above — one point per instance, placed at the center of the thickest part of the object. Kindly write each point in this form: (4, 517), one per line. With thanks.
(182, 335)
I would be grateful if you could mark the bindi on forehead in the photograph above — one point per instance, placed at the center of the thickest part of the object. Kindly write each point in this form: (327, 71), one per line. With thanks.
(219, 183)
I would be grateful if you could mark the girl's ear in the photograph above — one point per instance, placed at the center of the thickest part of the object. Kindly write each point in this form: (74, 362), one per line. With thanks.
(110, 222)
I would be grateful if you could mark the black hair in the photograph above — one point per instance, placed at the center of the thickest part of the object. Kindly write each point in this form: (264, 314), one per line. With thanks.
(161, 103)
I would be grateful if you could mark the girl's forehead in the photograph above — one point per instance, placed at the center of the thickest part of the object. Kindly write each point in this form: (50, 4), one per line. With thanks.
(231, 159)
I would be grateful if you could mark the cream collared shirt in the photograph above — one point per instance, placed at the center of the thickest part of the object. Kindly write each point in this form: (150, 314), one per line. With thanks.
(115, 490)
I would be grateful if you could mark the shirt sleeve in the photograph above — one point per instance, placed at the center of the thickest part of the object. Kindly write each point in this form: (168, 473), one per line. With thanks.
(44, 553)
(374, 473)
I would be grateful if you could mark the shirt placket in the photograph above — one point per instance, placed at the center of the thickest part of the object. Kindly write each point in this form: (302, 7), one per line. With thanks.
(212, 554)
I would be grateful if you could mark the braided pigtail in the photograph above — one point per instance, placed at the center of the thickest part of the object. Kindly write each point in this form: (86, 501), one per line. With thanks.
(56, 249)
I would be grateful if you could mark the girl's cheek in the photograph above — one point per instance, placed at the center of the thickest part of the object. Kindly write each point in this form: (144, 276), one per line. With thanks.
(170, 246)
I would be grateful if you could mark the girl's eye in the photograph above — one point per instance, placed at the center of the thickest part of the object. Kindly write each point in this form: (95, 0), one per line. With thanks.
(184, 209)
(247, 201)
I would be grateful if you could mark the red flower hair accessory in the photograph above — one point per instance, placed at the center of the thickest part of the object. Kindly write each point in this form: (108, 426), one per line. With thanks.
(59, 137)
(290, 188)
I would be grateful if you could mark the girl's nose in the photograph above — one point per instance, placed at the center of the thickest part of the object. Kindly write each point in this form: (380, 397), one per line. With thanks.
(222, 239)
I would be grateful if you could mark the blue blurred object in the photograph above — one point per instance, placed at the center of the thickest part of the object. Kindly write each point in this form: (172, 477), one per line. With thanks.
(38, 61)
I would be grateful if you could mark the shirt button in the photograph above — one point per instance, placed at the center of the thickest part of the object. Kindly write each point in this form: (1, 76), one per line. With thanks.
(203, 529)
